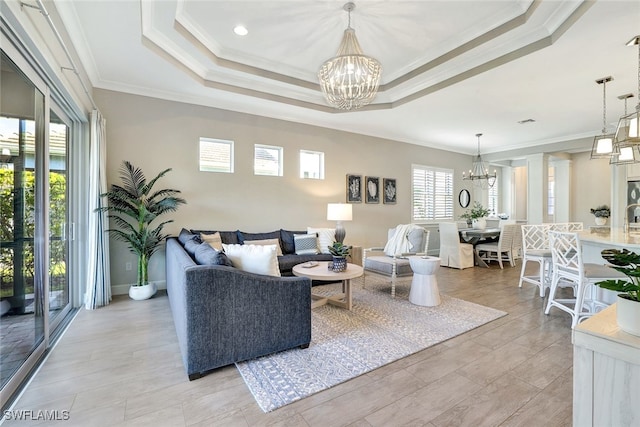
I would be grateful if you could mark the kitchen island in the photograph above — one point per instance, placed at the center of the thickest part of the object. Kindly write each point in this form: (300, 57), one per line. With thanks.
(606, 373)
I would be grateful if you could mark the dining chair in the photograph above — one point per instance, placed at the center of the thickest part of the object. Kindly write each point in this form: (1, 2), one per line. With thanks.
(375, 260)
(535, 248)
(570, 271)
(500, 251)
(517, 242)
(453, 253)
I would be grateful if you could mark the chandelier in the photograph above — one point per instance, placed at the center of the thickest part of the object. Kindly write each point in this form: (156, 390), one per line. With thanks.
(628, 131)
(479, 172)
(350, 79)
(603, 144)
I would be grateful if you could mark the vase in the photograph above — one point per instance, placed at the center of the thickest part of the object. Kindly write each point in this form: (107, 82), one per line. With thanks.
(143, 292)
(479, 223)
(628, 315)
(600, 220)
(339, 264)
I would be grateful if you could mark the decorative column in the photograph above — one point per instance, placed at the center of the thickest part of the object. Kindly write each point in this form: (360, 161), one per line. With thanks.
(537, 188)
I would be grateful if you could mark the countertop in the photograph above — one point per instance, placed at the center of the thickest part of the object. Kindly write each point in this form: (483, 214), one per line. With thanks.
(614, 237)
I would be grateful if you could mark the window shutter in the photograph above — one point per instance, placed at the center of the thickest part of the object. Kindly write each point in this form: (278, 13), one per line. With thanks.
(432, 193)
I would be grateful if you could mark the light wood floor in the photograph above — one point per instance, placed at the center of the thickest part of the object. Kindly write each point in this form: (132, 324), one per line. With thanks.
(120, 365)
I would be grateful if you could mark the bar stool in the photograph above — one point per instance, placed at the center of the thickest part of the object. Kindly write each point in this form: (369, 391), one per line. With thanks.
(570, 271)
(535, 248)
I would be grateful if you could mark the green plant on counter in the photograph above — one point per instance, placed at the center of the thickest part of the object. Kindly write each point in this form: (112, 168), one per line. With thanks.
(626, 262)
(601, 211)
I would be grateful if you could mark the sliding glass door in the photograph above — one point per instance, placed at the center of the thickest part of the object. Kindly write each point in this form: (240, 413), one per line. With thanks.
(34, 205)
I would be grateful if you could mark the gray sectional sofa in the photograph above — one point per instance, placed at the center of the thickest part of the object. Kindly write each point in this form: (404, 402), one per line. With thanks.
(224, 315)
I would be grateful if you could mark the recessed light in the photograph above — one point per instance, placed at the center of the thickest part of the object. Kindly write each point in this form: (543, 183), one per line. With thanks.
(241, 30)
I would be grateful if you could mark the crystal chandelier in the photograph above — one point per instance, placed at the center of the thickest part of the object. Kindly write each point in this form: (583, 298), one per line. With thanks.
(350, 79)
(628, 131)
(603, 143)
(479, 172)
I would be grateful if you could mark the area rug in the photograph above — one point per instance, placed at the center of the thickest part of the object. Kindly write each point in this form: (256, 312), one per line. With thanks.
(346, 344)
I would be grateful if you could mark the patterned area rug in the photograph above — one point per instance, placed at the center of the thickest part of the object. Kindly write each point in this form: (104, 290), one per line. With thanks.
(346, 344)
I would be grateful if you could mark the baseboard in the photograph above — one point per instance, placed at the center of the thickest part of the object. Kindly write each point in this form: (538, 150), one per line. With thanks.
(123, 289)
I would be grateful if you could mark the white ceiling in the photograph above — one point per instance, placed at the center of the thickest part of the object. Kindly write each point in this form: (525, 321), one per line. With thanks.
(451, 69)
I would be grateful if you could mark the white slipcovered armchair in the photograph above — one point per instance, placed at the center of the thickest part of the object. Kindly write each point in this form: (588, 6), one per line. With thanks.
(390, 260)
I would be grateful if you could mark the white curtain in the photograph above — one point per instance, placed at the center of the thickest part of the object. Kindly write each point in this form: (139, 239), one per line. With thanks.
(99, 281)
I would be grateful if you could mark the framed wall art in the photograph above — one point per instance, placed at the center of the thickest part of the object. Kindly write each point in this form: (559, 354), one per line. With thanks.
(354, 188)
(372, 189)
(389, 191)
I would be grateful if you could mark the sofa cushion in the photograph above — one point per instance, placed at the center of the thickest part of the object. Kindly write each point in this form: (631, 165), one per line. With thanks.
(306, 244)
(206, 255)
(228, 237)
(243, 236)
(214, 240)
(186, 235)
(286, 262)
(266, 242)
(384, 264)
(326, 237)
(254, 258)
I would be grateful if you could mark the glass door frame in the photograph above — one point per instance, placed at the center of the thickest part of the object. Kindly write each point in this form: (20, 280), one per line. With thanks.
(55, 100)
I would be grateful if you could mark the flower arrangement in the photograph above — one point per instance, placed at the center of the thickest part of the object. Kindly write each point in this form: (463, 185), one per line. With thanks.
(601, 211)
(477, 211)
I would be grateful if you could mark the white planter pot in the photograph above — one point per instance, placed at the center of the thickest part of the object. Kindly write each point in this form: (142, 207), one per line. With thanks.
(628, 315)
(479, 223)
(600, 220)
(140, 293)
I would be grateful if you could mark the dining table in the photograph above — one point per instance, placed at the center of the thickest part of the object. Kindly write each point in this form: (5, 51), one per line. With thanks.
(474, 236)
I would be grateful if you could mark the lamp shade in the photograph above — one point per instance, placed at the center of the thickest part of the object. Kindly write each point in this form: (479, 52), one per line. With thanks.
(339, 212)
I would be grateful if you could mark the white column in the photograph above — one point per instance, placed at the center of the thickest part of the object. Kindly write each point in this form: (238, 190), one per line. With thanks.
(562, 188)
(618, 195)
(537, 187)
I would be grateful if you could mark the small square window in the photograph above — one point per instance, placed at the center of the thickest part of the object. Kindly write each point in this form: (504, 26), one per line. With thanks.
(267, 160)
(311, 164)
(216, 155)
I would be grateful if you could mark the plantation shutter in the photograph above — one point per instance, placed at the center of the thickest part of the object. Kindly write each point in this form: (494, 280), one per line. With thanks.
(432, 194)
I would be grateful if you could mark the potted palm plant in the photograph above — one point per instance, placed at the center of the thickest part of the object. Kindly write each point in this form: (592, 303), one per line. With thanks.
(340, 253)
(628, 302)
(132, 208)
(477, 216)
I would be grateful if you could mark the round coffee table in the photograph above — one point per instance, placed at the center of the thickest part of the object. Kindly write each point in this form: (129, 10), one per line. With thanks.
(321, 272)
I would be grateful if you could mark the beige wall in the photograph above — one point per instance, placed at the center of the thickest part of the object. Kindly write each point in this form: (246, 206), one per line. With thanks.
(591, 186)
(155, 134)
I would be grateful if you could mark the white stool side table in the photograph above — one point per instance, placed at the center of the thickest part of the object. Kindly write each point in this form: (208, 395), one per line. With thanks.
(424, 286)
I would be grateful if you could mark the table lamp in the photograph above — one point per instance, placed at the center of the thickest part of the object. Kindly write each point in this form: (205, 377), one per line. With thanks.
(339, 212)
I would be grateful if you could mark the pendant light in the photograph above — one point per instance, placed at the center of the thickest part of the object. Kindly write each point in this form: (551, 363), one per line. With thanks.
(603, 143)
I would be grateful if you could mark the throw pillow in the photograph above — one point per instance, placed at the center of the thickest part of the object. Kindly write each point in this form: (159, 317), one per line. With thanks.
(286, 239)
(214, 240)
(186, 235)
(305, 244)
(206, 255)
(326, 237)
(266, 242)
(190, 247)
(254, 258)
